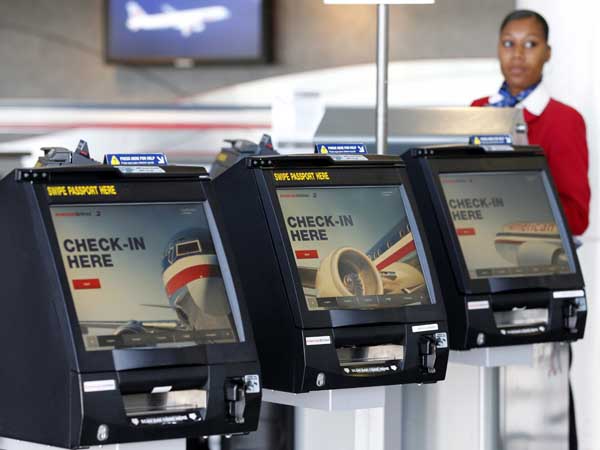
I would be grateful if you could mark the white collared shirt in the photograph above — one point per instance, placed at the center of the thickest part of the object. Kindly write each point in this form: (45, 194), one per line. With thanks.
(535, 103)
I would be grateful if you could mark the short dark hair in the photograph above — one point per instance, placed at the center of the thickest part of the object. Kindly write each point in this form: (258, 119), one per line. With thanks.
(526, 14)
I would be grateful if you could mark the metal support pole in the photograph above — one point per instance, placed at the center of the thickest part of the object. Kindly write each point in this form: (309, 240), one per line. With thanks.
(392, 425)
(489, 411)
(382, 78)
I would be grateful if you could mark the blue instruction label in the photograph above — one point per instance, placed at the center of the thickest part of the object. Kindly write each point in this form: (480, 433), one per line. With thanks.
(135, 159)
(498, 139)
(341, 149)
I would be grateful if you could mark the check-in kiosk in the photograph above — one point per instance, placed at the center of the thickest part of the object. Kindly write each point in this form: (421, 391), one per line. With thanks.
(121, 314)
(504, 253)
(339, 281)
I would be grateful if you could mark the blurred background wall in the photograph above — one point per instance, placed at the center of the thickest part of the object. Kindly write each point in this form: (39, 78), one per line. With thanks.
(54, 48)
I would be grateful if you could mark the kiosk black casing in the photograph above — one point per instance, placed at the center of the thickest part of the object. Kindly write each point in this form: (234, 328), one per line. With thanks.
(45, 365)
(283, 324)
(471, 304)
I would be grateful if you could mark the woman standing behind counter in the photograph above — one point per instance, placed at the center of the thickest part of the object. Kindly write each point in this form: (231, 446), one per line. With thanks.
(559, 129)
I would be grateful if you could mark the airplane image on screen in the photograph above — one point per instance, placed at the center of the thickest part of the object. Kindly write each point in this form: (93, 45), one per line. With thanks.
(530, 244)
(389, 267)
(194, 288)
(186, 21)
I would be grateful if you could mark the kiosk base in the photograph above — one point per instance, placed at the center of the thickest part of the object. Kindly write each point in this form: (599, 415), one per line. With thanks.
(331, 400)
(349, 419)
(520, 406)
(170, 444)
(514, 355)
(517, 407)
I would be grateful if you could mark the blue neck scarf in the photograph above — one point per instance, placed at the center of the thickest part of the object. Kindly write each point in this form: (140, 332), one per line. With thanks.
(510, 101)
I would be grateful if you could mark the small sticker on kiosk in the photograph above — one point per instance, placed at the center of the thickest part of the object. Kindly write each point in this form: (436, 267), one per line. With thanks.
(441, 340)
(422, 328)
(135, 159)
(105, 190)
(568, 294)
(252, 383)
(480, 304)
(99, 386)
(349, 158)
(371, 370)
(140, 169)
(301, 176)
(318, 340)
(341, 149)
(165, 420)
(522, 331)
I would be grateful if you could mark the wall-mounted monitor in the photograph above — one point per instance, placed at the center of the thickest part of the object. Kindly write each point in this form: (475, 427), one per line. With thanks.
(186, 32)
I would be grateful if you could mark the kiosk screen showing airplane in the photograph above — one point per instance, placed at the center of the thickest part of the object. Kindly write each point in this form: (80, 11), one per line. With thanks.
(353, 247)
(218, 30)
(143, 275)
(505, 224)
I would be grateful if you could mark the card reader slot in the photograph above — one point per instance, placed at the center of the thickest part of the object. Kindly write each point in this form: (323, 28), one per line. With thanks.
(521, 317)
(366, 355)
(177, 378)
(368, 336)
(510, 302)
(164, 402)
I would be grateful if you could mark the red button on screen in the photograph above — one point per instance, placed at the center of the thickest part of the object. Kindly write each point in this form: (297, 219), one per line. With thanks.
(93, 283)
(466, 231)
(307, 254)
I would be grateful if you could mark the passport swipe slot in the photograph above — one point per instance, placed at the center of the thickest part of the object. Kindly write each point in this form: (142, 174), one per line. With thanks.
(366, 355)
(164, 402)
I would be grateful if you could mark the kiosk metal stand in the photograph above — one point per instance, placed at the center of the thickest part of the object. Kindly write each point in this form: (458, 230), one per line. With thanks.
(489, 415)
(513, 396)
(349, 419)
(490, 361)
(503, 398)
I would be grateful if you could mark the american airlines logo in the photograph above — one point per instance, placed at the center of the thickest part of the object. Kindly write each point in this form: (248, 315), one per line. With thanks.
(294, 196)
(73, 214)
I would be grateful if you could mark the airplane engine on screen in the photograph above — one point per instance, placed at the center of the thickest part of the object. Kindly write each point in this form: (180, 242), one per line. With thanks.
(540, 253)
(348, 272)
(399, 277)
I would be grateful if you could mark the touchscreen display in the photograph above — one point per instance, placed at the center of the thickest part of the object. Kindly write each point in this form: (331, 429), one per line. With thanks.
(505, 224)
(353, 247)
(143, 275)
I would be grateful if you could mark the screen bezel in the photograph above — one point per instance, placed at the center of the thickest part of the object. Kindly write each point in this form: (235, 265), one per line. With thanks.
(265, 56)
(134, 358)
(347, 177)
(465, 283)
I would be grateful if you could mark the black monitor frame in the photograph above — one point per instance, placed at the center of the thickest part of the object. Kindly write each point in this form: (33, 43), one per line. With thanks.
(434, 167)
(347, 177)
(266, 54)
(144, 192)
